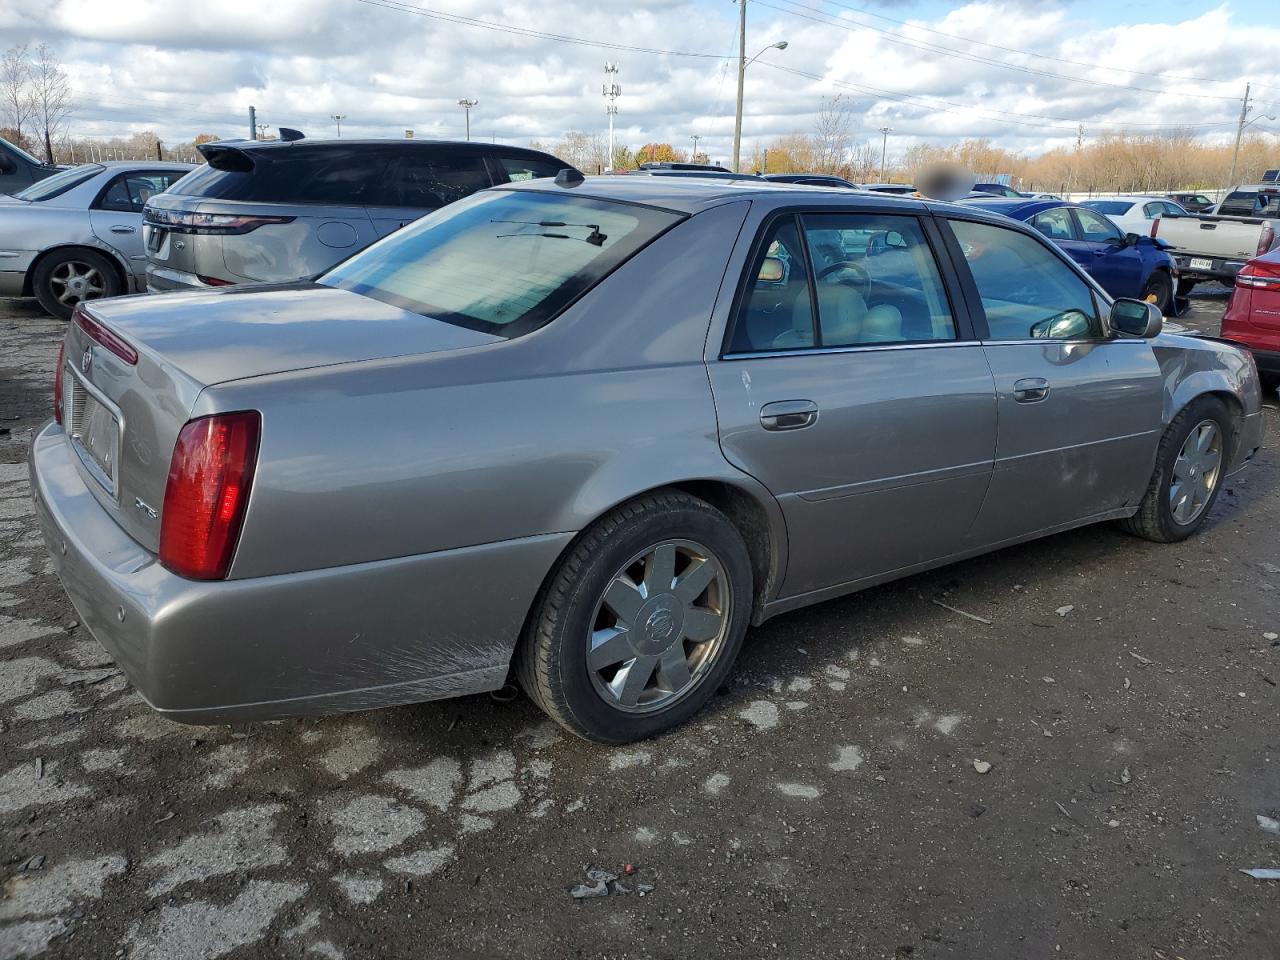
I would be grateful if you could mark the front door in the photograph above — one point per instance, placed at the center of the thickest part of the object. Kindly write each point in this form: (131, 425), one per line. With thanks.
(854, 390)
(1079, 413)
(1112, 261)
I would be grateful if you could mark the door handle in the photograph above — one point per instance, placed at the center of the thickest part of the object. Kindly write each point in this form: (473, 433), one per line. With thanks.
(122, 228)
(1208, 226)
(1030, 389)
(788, 414)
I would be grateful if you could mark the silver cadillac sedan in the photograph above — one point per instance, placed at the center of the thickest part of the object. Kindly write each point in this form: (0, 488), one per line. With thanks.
(77, 235)
(587, 432)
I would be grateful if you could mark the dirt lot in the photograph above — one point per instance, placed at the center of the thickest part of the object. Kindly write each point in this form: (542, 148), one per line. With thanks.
(827, 804)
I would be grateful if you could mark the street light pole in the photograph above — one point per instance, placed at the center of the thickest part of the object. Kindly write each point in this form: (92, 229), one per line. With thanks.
(338, 118)
(466, 104)
(884, 148)
(743, 63)
(694, 157)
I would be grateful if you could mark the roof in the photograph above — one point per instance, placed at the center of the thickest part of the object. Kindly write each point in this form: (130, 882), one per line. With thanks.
(1132, 197)
(478, 146)
(1019, 208)
(694, 194)
(140, 164)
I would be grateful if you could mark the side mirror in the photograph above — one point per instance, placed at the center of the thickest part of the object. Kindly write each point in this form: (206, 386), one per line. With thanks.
(1136, 318)
(1131, 239)
(771, 270)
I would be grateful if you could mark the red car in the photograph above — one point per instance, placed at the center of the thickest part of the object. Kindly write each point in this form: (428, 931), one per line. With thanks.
(1253, 313)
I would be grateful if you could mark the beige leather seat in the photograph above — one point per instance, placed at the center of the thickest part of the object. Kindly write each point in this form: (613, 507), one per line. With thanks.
(842, 311)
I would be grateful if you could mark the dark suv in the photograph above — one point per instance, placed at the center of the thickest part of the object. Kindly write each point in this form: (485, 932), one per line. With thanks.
(282, 210)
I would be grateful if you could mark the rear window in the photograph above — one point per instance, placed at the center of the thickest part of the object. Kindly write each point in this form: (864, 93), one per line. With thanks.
(59, 183)
(1240, 203)
(502, 262)
(294, 174)
(528, 168)
(1112, 208)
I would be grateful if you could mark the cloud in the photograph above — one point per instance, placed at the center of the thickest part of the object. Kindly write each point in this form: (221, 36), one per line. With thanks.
(182, 68)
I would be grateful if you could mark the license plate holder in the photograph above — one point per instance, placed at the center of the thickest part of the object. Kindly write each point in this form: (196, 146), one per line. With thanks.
(94, 427)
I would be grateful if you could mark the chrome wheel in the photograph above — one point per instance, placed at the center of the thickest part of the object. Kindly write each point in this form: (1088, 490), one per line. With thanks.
(1196, 472)
(659, 627)
(74, 280)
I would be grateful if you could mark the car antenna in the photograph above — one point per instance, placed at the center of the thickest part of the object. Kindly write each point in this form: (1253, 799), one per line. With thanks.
(569, 177)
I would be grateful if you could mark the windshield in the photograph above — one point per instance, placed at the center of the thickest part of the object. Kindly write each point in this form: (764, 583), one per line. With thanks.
(59, 183)
(504, 261)
(1113, 208)
(22, 153)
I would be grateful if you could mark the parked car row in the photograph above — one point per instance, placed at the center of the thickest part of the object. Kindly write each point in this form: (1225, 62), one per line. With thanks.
(583, 432)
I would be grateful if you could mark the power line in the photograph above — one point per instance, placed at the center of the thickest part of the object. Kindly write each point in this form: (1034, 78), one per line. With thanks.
(892, 37)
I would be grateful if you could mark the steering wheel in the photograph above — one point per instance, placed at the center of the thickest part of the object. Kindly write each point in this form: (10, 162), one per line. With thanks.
(862, 282)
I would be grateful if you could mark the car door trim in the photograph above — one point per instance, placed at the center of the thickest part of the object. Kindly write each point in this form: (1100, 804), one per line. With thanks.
(956, 472)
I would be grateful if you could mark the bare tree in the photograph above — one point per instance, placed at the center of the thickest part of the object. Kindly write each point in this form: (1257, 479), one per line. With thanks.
(15, 88)
(833, 135)
(52, 95)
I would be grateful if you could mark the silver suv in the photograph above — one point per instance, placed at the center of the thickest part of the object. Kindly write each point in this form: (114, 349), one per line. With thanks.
(269, 211)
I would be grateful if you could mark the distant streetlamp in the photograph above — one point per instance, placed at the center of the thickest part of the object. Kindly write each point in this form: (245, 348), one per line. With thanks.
(338, 118)
(466, 104)
(884, 147)
(743, 63)
(695, 137)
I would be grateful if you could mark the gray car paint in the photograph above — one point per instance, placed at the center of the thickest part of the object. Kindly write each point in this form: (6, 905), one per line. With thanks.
(32, 230)
(406, 507)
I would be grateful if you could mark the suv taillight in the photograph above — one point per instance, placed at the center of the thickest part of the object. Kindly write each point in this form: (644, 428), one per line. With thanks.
(1259, 274)
(180, 221)
(57, 383)
(208, 490)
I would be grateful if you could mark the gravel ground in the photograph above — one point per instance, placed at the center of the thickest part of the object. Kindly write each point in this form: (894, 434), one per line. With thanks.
(826, 804)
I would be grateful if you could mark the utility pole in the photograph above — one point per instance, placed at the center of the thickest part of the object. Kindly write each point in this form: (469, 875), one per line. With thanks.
(466, 104)
(694, 157)
(742, 73)
(884, 148)
(338, 118)
(1235, 155)
(611, 91)
(766, 160)
(253, 123)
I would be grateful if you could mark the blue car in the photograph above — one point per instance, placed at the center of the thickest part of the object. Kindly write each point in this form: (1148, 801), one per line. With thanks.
(1124, 264)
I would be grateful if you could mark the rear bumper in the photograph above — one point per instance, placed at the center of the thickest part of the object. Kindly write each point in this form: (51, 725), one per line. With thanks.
(168, 280)
(321, 641)
(1218, 268)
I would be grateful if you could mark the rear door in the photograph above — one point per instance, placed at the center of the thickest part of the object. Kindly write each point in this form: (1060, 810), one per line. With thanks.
(420, 179)
(1112, 262)
(116, 213)
(1079, 413)
(852, 387)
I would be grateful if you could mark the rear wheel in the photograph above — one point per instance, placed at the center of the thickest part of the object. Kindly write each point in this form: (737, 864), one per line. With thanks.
(1190, 464)
(1160, 287)
(641, 621)
(65, 278)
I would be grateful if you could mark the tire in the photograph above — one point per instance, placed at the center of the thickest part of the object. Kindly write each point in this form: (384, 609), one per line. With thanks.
(1156, 519)
(65, 277)
(1185, 287)
(1160, 285)
(589, 694)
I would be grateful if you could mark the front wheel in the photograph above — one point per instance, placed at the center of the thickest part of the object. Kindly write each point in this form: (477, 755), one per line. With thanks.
(1159, 290)
(1190, 463)
(641, 621)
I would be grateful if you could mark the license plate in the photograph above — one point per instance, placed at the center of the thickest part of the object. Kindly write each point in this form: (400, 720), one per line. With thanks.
(95, 433)
(155, 237)
(1201, 263)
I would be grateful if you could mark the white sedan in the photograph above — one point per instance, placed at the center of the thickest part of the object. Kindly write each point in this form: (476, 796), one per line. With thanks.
(1135, 214)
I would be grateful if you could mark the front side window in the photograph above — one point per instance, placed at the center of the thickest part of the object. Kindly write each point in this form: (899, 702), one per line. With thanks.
(1097, 229)
(502, 262)
(1054, 224)
(59, 183)
(1027, 292)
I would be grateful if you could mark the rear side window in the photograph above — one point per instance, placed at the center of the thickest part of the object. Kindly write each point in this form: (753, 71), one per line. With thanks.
(502, 262)
(527, 168)
(129, 192)
(423, 178)
(777, 310)
(334, 175)
(1027, 293)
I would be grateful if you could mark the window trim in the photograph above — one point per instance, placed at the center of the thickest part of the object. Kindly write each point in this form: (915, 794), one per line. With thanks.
(125, 175)
(1101, 299)
(965, 326)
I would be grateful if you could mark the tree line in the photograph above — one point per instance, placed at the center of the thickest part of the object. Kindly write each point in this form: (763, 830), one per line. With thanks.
(35, 96)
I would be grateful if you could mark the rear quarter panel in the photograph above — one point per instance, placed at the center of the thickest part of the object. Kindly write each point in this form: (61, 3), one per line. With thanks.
(537, 435)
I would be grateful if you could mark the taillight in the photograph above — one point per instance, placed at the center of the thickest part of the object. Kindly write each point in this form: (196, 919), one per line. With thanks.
(107, 338)
(1266, 238)
(1259, 274)
(208, 490)
(213, 281)
(1155, 227)
(57, 383)
(183, 222)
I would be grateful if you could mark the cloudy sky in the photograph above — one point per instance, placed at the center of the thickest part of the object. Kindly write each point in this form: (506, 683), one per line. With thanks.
(1024, 72)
